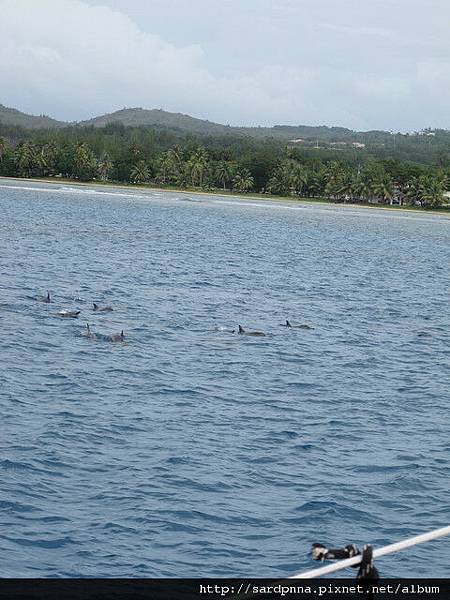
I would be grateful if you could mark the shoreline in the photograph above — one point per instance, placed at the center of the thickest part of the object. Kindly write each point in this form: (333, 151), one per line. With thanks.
(228, 194)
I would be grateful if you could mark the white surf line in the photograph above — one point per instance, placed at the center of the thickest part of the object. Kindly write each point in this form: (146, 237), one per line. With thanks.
(362, 212)
(355, 560)
(67, 190)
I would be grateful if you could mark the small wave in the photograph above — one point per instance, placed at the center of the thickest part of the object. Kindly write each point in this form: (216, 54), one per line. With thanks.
(14, 507)
(51, 544)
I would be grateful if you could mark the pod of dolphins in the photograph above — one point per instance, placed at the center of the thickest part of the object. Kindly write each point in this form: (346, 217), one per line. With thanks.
(287, 324)
(74, 314)
(119, 337)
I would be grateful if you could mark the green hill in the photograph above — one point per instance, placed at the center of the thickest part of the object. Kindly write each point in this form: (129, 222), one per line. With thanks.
(11, 116)
(415, 146)
(140, 117)
(184, 124)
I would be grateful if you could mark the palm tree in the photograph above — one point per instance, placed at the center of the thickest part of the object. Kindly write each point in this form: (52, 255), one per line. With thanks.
(277, 183)
(105, 166)
(413, 190)
(337, 182)
(140, 173)
(85, 162)
(243, 181)
(225, 172)
(383, 187)
(198, 165)
(48, 158)
(432, 191)
(3, 147)
(298, 178)
(164, 166)
(315, 183)
(175, 161)
(347, 186)
(360, 188)
(25, 158)
(281, 180)
(337, 187)
(333, 170)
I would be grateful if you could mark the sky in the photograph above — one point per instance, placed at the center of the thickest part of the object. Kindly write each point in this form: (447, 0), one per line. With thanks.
(363, 64)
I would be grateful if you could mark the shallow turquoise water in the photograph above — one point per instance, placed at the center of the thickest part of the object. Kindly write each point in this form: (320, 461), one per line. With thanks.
(190, 451)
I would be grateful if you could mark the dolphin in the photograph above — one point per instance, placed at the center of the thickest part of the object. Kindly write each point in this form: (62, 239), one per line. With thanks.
(116, 337)
(289, 325)
(68, 314)
(46, 299)
(242, 331)
(102, 308)
(88, 333)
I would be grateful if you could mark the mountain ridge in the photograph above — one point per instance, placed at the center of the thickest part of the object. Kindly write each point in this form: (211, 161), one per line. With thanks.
(186, 124)
(12, 116)
(141, 117)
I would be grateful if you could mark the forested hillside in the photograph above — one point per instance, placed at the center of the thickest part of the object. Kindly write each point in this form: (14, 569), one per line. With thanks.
(384, 168)
(427, 147)
(13, 117)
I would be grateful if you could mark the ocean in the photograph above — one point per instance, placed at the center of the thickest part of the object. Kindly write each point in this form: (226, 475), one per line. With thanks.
(191, 451)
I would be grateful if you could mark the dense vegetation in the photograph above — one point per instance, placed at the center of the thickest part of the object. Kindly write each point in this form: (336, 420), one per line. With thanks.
(416, 174)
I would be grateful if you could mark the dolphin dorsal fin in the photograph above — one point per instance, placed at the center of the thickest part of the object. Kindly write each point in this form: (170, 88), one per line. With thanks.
(95, 306)
(288, 324)
(241, 329)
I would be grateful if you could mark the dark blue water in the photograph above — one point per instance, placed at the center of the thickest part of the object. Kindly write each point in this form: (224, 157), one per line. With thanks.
(190, 451)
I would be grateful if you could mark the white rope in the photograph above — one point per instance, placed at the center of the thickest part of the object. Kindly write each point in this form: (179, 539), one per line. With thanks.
(355, 560)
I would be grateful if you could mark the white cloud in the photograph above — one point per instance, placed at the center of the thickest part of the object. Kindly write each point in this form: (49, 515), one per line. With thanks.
(87, 58)
(265, 63)
(358, 31)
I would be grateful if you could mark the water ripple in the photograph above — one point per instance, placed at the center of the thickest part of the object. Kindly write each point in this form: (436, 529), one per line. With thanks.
(190, 450)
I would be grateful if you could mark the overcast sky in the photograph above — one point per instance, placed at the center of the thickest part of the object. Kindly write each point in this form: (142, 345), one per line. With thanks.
(364, 64)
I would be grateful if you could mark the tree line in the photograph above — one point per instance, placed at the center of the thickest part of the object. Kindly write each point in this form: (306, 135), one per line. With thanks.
(125, 155)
